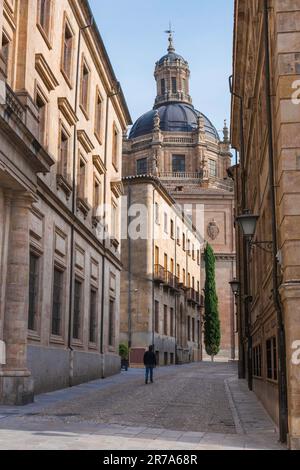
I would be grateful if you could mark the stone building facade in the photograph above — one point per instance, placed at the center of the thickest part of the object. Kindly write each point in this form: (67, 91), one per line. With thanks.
(161, 297)
(62, 118)
(266, 69)
(181, 146)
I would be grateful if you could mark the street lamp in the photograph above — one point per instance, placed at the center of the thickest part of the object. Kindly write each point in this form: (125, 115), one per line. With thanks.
(248, 223)
(235, 287)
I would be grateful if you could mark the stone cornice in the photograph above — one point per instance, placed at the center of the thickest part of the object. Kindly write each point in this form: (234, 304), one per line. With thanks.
(67, 111)
(99, 165)
(45, 72)
(85, 141)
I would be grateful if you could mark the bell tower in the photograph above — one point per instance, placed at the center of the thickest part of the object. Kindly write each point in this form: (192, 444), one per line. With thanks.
(172, 75)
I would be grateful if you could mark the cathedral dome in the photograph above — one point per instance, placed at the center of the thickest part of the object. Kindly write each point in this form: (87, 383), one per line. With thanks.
(171, 57)
(174, 117)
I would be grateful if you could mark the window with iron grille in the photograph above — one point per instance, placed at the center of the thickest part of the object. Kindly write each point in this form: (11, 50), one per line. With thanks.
(165, 320)
(271, 355)
(257, 361)
(93, 316)
(172, 322)
(57, 302)
(156, 316)
(174, 85)
(212, 166)
(142, 166)
(178, 163)
(33, 291)
(111, 323)
(77, 309)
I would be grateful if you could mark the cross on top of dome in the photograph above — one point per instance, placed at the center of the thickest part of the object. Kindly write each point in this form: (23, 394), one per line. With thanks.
(170, 32)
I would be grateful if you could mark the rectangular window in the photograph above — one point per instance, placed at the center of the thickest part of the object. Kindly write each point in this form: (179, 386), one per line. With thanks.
(198, 331)
(174, 85)
(57, 302)
(98, 115)
(163, 86)
(166, 222)
(157, 213)
(166, 262)
(183, 277)
(156, 317)
(165, 358)
(193, 282)
(142, 166)
(178, 235)
(42, 108)
(93, 316)
(5, 50)
(77, 314)
(172, 322)
(97, 195)
(85, 83)
(198, 257)
(81, 179)
(156, 255)
(44, 16)
(64, 153)
(172, 266)
(178, 163)
(111, 323)
(114, 221)
(212, 167)
(115, 146)
(165, 320)
(189, 327)
(193, 251)
(178, 272)
(172, 230)
(67, 51)
(271, 350)
(193, 329)
(198, 287)
(33, 291)
(189, 247)
(183, 242)
(257, 361)
(189, 280)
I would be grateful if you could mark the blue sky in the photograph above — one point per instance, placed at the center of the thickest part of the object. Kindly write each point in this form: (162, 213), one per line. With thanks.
(133, 33)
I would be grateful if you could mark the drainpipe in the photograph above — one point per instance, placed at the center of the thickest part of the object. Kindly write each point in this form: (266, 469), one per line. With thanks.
(282, 379)
(153, 267)
(129, 271)
(74, 182)
(245, 249)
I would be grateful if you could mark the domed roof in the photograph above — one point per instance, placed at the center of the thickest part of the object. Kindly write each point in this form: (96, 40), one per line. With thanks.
(171, 57)
(174, 117)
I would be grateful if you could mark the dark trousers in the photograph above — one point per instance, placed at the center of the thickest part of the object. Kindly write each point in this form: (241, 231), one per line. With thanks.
(149, 369)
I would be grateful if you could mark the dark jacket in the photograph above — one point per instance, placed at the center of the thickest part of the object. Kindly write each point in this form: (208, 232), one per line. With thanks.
(149, 359)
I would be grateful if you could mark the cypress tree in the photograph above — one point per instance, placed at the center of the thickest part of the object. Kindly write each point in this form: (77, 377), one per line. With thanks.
(212, 330)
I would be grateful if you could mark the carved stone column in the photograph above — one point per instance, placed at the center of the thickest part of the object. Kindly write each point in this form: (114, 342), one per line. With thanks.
(16, 384)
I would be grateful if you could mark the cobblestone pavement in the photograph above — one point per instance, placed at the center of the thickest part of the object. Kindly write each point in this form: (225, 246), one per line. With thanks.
(196, 406)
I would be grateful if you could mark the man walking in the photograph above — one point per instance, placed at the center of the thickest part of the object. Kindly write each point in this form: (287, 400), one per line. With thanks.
(150, 363)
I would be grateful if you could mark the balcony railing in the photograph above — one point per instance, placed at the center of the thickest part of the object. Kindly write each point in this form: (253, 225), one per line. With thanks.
(180, 175)
(14, 104)
(159, 274)
(194, 296)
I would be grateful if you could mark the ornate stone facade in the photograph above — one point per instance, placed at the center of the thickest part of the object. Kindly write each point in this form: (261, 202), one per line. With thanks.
(266, 68)
(180, 146)
(61, 123)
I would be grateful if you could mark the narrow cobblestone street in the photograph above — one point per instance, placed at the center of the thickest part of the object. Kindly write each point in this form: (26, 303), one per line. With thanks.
(197, 406)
